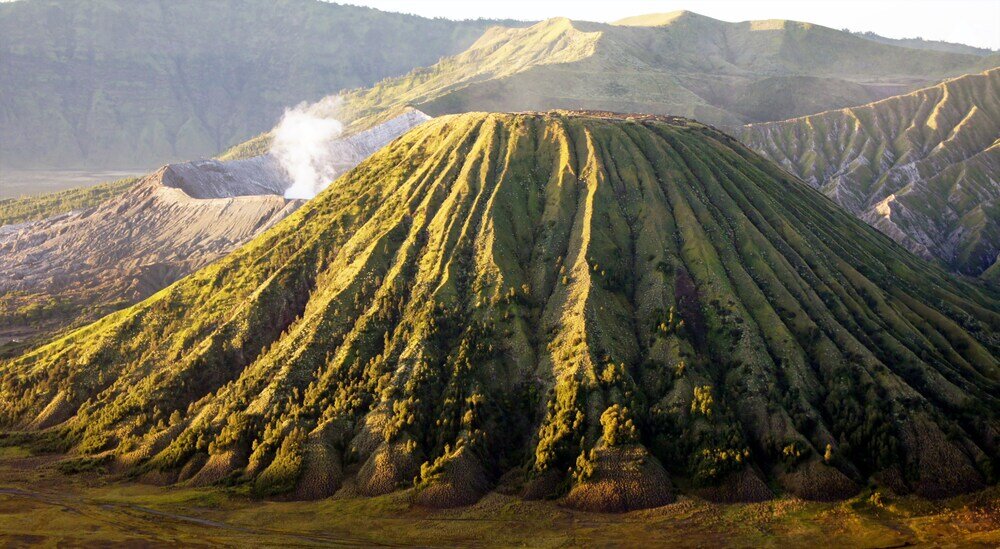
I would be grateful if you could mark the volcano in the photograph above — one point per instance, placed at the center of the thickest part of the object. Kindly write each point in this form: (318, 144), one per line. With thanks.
(602, 308)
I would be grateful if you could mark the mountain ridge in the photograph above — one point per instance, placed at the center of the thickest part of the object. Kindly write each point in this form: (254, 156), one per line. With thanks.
(720, 73)
(918, 166)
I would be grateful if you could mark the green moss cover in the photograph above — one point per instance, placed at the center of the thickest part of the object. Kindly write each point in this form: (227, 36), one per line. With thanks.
(607, 308)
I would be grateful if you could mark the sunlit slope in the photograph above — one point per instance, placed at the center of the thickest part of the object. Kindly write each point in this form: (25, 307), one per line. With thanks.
(680, 63)
(921, 167)
(604, 309)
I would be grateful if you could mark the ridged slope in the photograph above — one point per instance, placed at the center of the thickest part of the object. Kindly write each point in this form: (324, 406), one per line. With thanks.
(684, 64)
(921, 167)
(539, 303)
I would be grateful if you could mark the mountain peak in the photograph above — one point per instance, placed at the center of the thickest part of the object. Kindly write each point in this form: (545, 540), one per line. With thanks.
(660, 19)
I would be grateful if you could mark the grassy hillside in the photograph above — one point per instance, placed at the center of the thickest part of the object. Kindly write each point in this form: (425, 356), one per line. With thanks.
(139, 83)
(570, 305)
(921, 167)
(680, 63)
(33, 208)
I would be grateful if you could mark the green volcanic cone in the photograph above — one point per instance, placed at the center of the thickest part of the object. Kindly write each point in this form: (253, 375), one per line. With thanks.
(602, 308)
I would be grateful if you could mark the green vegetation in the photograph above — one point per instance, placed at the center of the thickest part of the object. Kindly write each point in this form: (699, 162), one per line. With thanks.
(119, 83)
(33, 208)
(547, 304)
(41, 506)
(920, 167)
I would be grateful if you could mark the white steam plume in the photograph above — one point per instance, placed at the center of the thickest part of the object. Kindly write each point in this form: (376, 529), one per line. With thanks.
(302, 145)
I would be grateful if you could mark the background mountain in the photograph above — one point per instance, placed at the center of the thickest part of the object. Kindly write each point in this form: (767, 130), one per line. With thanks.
(138, 83)
(586, 305)
(680, 63)
(33, 208)
(921, 44)
(921, 167)
(78, 266)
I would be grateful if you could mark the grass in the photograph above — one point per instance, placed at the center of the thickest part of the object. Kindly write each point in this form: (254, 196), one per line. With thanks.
(39, 505)
(33, 208)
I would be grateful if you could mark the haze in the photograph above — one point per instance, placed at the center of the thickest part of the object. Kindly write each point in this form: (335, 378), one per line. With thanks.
(972, 22)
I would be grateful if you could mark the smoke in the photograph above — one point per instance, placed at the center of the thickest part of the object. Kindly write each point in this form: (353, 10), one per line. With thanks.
(302, 145)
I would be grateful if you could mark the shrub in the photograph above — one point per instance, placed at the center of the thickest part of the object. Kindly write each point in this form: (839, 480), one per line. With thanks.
(619, 428)
(702, 401)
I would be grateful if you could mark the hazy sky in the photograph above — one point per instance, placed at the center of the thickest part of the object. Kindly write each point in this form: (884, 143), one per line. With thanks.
(974, 22)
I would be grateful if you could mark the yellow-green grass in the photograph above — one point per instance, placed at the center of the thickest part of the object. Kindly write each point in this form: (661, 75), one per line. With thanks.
(39, 505)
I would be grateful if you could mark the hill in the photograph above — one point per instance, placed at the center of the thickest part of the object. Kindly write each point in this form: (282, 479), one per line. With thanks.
(138, 83)
(680, 64)
(77, 266)
(604, 308)
(920, 167)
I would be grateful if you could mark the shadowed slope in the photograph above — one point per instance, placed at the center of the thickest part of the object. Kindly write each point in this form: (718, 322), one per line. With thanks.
(555, 303)
(920, 167)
